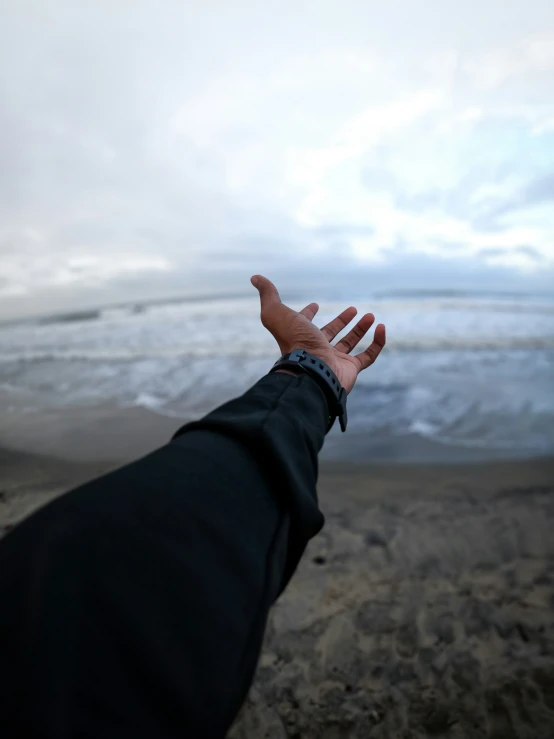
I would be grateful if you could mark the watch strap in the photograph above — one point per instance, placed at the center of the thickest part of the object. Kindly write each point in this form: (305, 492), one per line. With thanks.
(324, 376)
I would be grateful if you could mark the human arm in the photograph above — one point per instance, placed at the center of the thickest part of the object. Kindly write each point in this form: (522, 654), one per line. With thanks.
(135, 605)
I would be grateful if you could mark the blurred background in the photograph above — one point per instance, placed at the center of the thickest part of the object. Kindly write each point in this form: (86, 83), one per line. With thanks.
(398, 157)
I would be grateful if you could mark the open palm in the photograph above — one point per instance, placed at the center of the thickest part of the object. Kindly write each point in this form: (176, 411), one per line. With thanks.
(294, 330)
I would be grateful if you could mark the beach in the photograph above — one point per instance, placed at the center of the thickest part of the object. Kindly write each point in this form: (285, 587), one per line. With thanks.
(423, 608)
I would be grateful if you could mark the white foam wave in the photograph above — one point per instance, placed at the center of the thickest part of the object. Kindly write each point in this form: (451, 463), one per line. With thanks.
(259, 351)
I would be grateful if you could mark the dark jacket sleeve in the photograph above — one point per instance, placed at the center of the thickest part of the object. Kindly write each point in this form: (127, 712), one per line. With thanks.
(135, 605)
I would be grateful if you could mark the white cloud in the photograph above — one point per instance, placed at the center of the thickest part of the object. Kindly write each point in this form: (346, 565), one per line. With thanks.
(90, 271)
(436, 235)
(143, 140)
(534, 54)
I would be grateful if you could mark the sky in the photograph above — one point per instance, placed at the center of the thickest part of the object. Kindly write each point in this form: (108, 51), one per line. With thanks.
(152, 149)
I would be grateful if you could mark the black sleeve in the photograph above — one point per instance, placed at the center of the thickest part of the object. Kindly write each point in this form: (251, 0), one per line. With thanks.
(135, 605)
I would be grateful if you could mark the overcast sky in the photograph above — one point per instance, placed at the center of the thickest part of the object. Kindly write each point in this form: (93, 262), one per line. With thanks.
(152, 148)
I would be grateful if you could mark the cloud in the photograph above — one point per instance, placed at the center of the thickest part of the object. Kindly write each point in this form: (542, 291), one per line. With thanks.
(494, 209)
(344, 230)
(526, 251)
(534, 54)
(144, 146)
(529, 251)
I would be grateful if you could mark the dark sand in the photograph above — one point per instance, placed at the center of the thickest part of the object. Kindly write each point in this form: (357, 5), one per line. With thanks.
(425, 607)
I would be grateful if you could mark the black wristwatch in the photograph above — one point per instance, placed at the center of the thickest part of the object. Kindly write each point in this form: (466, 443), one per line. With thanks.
(324, 376)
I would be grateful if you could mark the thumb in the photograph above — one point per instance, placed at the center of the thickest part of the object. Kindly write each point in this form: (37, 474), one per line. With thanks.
(268, 292)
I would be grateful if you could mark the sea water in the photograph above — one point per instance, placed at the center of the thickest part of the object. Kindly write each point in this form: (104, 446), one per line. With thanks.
(467, 370)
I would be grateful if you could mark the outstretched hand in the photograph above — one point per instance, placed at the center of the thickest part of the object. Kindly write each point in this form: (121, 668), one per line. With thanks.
(294, 330)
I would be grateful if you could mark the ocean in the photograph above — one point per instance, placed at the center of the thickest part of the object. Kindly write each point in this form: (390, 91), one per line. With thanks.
(465, 371)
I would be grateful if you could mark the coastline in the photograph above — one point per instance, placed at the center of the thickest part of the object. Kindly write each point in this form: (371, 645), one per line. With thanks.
(105, 432)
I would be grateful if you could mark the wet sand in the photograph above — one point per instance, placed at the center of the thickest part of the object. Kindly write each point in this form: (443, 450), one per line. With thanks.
(425, 607)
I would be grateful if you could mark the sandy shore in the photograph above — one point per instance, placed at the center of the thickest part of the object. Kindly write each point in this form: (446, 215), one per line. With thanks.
(424, 608)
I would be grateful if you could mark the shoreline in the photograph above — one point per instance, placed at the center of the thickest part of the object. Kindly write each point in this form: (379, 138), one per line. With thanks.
(109, 433)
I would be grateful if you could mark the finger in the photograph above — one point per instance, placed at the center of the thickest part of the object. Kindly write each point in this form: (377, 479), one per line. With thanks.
(309, 311)
(338, 323)
(269, 295)
(353, 337)
(365, 359)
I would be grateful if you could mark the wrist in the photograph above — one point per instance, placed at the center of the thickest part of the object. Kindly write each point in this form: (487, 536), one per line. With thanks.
(300, 361)
(297, 371)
